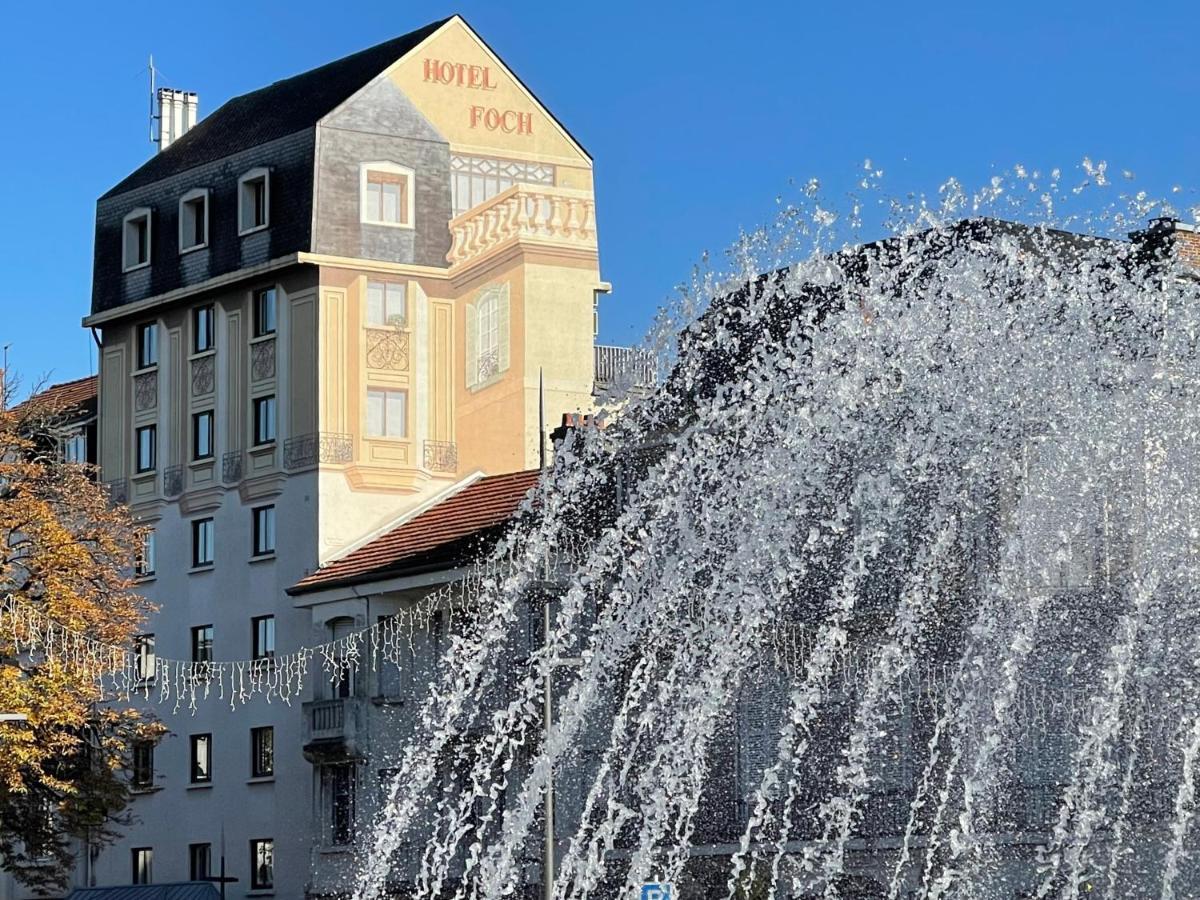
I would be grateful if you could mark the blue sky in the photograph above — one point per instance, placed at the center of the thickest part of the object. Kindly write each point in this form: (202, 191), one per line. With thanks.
(698, 115)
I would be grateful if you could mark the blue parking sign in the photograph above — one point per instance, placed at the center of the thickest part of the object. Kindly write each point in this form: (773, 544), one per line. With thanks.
(658, 891)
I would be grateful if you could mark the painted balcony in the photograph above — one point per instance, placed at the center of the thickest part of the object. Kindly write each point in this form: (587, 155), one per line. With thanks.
(334, 729)
(534, 214)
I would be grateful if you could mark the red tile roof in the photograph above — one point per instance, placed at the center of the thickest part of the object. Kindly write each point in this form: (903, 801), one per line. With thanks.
(69, 395)
(478, 507)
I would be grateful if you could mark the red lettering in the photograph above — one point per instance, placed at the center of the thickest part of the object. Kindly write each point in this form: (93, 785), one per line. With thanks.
(488, 84)
(446, 73)
(430, 66)
(491, 118)
(476, 113)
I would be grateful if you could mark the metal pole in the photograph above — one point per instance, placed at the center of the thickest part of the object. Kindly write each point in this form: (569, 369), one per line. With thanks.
(547, 687)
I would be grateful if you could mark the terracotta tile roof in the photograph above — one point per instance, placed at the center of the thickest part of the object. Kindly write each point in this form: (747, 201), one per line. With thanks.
(69, 395)
(445, 534)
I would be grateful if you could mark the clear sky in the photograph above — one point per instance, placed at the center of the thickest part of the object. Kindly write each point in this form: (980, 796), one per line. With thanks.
(698, 114)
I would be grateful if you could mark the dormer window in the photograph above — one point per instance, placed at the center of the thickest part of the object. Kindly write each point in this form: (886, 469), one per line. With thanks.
(254, 201)
(193, 220)
(136, 239)
(386, 195)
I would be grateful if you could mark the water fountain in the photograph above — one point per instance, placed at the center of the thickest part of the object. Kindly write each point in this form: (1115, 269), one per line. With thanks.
(889, 590)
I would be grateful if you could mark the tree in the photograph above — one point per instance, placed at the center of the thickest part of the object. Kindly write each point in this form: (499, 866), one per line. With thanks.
(68, 553)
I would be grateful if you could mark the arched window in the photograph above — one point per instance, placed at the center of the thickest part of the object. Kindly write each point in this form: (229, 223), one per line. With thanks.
(487, 336)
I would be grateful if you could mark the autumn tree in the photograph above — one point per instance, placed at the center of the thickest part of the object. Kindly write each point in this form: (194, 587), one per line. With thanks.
(66, 552)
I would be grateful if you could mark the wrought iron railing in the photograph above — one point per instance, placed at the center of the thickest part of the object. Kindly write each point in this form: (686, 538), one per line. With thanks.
(321, 446)
(118, 490)
(624, 366)
(441, 456)
(172, 481)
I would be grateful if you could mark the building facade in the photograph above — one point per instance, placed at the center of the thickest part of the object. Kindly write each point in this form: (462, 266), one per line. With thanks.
(321, 309)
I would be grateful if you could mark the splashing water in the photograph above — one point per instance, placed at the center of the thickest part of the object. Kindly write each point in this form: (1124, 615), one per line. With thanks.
(889, 589)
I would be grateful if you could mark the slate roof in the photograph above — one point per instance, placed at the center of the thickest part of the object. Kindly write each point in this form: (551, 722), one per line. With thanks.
(177, 890)
(275, 111)
(69, 396)
(447, 534)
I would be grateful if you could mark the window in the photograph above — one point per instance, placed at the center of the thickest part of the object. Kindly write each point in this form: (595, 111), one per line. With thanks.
(338, 785)
(262, 752)
(144, 562)
(262, 864)
(387, 413)
(253, 200)
(147, 349)
(477, 179)
(264, 420)
(136, 239)
(199, 861)
(201, 771)
(143, 764)
(386, 192)
(487, 336)
(74, 447)
(144, 661)
(386, 304)
(147, 442)
(202, 543)
(264, 312)
(263, 636)
(193, 220)
(202, 329)
(202, 435)
(264, 530)
(202, 644)
(143, 861)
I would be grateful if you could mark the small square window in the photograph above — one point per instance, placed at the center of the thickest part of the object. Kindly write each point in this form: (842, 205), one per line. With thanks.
(264, 530)
(253, 200)
(200, 861)
(145, 661)
(202, 435)
(144, 562)
(143, 862)
(142, 775)
(387, 413)
(201, 766)
(386, 304)
(202, 644)
(202, 329)
(147, 348)
(202, 543)
(386, 194)
(262, 864)
(193, 220)
(263, 636)
(264, 420)
(136, 239)
(264, 312)
(262, 752)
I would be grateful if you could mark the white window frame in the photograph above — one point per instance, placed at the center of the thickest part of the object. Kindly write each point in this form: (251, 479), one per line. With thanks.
(391, 169)
(254, 174)
(142, 212)
(190, 197)
(383, 434)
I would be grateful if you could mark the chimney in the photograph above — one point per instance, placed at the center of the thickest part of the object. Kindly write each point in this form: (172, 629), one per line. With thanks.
(177, 111)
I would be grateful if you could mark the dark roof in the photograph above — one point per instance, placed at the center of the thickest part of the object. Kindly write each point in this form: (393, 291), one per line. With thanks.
(445, 534)
(69, 396)
(176, 890)
(275, 111)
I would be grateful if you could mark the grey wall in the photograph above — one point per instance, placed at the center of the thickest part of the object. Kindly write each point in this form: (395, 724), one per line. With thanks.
(380, 124)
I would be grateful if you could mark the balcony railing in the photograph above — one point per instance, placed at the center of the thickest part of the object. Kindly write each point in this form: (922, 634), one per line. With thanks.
(118, 491)
(334, 729)
(231, 466)
(441, 456)
(323, 446)
(173, 481)
(546, 215)
(626, 366)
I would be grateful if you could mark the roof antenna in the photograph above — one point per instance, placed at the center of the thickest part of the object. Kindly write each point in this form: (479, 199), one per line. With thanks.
(153, 138)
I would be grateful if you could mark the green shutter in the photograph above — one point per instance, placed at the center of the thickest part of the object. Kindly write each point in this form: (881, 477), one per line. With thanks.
(503, 322)
(472, 353)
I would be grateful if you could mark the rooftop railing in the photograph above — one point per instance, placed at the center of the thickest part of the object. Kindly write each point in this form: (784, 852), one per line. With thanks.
(548, 215)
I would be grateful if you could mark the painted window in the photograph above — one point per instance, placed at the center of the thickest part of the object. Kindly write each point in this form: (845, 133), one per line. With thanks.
(262, 629)
(136, 239)
(254, 197)
(202, 329)
(386, 304)
(488, 336)
(477, 179)
(143, 863)
(262, 864)
(264, 312)
(201, 758)
(74, 447)
(142, 774)
(202, 543)
(202, 435)
(193, 220)
(386, 194)
(144, 659)
(262, 752)
(264, 530)
(147, 448)
(264, 420)
(199, 861)
(144, 564)
(147, 345)
(202, 644)
(387, 413)
(339, 785)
